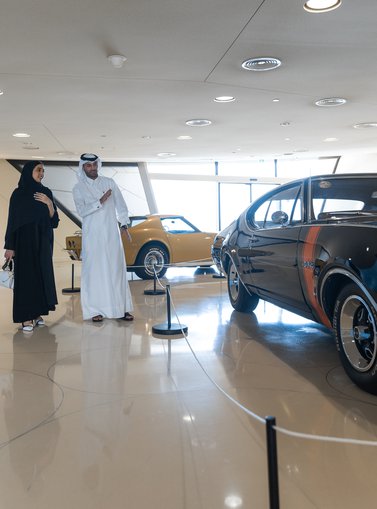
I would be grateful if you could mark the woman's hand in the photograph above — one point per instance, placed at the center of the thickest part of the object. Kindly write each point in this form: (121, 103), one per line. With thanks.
(9, 254)
(45, 199)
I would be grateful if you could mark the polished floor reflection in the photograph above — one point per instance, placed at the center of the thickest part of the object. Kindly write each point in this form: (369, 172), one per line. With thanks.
(108, 416)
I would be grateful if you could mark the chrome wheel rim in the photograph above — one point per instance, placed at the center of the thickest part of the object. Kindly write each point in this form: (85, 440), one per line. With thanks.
(233, 283)
(358, 333)
(154, 261)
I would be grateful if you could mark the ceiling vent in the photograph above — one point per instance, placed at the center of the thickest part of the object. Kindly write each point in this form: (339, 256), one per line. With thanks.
(261, 64)
(331, 101)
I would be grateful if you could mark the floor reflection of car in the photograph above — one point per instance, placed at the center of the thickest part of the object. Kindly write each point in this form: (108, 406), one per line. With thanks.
(310, 246)
(157, 242)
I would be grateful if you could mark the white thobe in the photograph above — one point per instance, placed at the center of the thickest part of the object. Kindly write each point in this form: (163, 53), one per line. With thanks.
(104, 287)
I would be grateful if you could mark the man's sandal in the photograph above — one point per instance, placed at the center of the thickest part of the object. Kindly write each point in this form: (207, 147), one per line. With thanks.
(97, 318)
(127, 317)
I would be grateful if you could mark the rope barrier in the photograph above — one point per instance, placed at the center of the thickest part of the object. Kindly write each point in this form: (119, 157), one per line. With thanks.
(263, 420)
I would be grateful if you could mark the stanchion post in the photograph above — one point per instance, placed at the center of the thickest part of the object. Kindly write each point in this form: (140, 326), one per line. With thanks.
(72, 289)
(154, 291)
(168, 305)
(169, 328)
(272, 462)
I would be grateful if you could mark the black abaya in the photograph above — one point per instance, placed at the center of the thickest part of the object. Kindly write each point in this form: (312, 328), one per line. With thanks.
(30, 235)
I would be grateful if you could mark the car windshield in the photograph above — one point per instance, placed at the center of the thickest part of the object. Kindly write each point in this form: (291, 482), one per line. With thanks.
(343, 197)
(177, 225)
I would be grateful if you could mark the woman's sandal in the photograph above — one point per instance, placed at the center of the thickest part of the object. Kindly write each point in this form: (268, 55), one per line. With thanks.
(97, 318)
(27, 327)
(39, 322)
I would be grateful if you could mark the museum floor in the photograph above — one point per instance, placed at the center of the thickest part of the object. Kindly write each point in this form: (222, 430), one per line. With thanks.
(108, 416)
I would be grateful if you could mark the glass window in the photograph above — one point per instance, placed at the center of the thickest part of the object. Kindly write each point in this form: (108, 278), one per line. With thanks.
(281, 209)
(252, 169)
(183, 168)
(177, 225)
(306, 167)
(196, 201)
(343, 195)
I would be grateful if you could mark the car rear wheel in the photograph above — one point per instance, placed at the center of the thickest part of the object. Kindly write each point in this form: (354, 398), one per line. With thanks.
(239, 297)
(355, 325)
(152, 258)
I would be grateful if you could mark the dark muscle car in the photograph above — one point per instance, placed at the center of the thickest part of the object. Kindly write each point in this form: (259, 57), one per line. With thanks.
(310, 246)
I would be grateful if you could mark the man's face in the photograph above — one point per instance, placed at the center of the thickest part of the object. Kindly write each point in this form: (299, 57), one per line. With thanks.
(91, 170)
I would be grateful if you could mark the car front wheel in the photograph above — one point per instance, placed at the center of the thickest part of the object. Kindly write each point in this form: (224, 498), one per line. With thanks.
(355, 325)
(239, 297)
(152, 258)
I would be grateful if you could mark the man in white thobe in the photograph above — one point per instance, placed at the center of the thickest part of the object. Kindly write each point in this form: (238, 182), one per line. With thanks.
(105, 290)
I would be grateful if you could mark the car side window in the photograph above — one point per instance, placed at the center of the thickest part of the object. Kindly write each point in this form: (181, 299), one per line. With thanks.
(281, 209)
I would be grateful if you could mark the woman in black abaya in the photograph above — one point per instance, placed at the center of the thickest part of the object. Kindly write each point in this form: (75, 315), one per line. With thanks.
(29, 243)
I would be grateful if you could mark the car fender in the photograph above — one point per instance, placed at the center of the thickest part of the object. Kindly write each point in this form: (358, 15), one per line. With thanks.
(155, 242)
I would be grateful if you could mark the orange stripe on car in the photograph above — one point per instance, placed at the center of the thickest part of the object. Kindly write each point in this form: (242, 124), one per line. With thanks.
(308, 256)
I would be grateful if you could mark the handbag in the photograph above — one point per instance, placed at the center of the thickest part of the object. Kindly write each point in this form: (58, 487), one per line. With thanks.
(7, 275)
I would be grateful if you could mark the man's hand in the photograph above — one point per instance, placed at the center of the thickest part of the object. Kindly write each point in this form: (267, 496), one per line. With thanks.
(124, 232)
(105, 196)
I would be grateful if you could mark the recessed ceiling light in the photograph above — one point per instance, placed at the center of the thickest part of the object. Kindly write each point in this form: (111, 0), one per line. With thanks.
(331, 101)
(198, 122)
(184, 137)
(21, 135)
(317, 6)
(285, 124)
(276, 100)
(1, 92)
(117, 61)
(261, 64)
(166, 154)
(146, 137)
(224, 99)
(330, 139)
(365, 125)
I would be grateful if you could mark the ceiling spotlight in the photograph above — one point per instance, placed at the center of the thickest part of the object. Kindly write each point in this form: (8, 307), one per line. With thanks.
(317, 6)
(198, 122)
(166, 154)
(365, 125)
(21, 135)
(184, 137)
(285, 124)
(261, 64)
(117, 61)
(1, 92)
(224, 99)
(331, 101)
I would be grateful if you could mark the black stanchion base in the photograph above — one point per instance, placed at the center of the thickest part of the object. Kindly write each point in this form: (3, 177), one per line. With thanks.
(166, 329)
(218, 276)
(71, 290)
(154, 292)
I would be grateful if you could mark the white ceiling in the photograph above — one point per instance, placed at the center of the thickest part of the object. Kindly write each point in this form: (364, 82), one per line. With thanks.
(60, 88)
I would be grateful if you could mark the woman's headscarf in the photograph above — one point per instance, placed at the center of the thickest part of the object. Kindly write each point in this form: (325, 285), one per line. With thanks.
(23, 208)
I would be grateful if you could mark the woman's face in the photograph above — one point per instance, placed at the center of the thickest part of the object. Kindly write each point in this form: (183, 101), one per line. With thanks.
(38, 173)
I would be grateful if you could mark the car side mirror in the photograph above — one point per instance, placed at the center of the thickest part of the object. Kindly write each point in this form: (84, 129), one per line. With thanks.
(279, 217)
